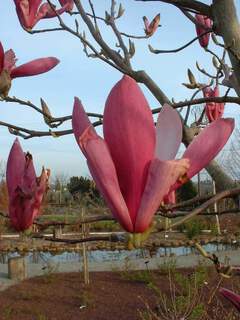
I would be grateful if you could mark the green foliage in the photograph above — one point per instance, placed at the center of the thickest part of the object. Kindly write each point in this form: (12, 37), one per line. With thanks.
(105, 226)
(193, 228)
(169, 264)
(144, 276)
(83, 185)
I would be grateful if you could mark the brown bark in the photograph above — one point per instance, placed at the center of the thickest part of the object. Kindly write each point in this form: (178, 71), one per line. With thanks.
(226, 25)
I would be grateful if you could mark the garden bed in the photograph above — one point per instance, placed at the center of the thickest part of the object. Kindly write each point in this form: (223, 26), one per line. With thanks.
(110, 295)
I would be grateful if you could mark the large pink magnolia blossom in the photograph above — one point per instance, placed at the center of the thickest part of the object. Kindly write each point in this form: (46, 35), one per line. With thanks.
(231, 296)
(25, 190)
(207, 22)
(213, 110)
(134, 166)
(31, 11)
(9, 71)
(151, 27)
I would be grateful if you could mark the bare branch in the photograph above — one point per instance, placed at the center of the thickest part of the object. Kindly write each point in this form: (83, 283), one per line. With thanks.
(157, 51)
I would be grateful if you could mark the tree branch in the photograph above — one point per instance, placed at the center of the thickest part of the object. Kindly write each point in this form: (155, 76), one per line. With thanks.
(198, 6)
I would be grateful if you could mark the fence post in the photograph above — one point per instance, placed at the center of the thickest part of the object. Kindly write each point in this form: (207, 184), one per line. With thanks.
(216, 209)
(84, 248)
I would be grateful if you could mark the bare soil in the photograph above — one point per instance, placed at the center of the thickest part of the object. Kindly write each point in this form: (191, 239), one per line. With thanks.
(110, 295)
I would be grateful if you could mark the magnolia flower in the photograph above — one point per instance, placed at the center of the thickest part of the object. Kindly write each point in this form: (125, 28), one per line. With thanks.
(213, 110)
(150, 28)
(9, 71)
(231, 296)
(207, 22)
(134, 166)
(25, 190)
(31, 11)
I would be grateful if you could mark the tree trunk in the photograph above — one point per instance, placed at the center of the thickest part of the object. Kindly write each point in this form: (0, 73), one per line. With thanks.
(226, 25)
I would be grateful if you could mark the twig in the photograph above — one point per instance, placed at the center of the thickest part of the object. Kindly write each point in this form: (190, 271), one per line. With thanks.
(156, 51)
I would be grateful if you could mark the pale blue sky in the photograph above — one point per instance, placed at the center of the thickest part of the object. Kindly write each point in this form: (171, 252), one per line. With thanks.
(90, 79)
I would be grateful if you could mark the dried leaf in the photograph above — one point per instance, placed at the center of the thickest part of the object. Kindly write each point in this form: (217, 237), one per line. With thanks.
(191, 77)
(121, 11)
(131, 48)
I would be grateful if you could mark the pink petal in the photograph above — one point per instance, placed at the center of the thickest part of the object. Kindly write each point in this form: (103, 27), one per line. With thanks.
(204, 40)
(231, 296)
(169, 133)
(67, 3)
(1, 57)
(208, 144)
(34, 5)
(15, 167)
(23, 12)
(80, 121)
(21, 215)
(161, 176)
(34, 67)
(46, 11)
(170, 198)
(130, 135)
(9, 60)
(29, 182)
(41, 189)
(100, 164)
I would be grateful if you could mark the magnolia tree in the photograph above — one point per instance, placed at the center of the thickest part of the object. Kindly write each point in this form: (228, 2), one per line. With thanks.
(134, 165)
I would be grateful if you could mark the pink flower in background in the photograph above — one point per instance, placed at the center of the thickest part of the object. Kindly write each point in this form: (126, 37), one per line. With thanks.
(207, 22)
(151, 28)
(25, 190)
(231, 296)
(9, 71)
(213, 110)
(134, 166)
(31, 11)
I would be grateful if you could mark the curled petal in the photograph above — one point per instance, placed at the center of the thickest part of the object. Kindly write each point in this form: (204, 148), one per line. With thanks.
(214, 110)
(9, 60)
(208, 144)
(34, 67)
(169, 133)
(101, 165)
(150, 28)
(161, 176)
(23, 12)
(231, 296)
(130, 135)
(41, 188)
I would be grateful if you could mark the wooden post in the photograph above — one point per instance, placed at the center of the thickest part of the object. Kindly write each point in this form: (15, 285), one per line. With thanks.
(199, 184)
(84, 249)
(216, 209)
(17, 268)
(57, 232)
